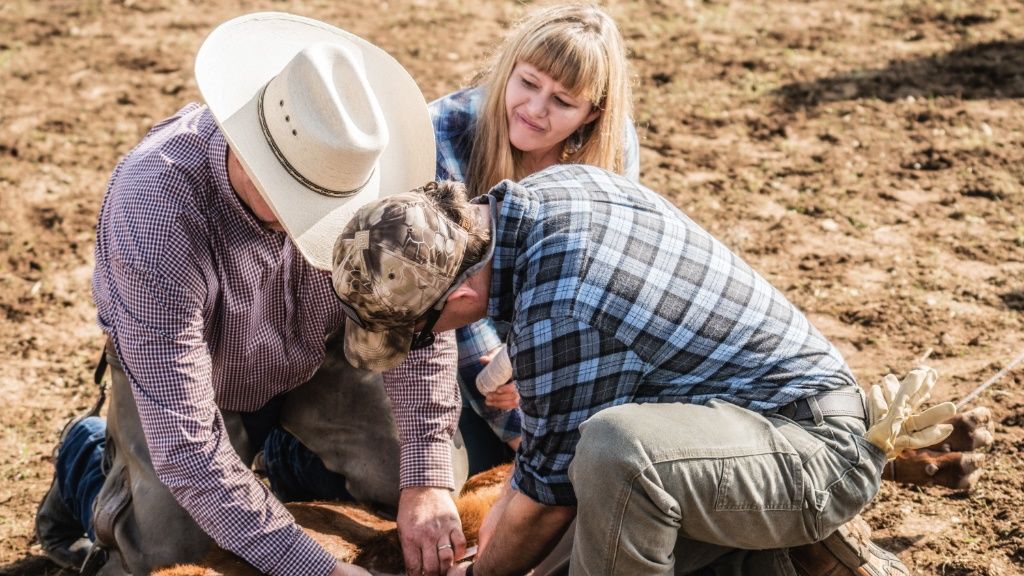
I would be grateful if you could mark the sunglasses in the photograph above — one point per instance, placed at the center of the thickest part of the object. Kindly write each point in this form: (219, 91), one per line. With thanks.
(425, 337)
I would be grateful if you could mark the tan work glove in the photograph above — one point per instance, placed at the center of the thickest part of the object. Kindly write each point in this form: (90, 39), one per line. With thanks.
(896, 424)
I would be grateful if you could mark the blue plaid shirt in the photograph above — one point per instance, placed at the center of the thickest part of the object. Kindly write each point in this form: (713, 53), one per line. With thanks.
(454, 117)
(615, 296)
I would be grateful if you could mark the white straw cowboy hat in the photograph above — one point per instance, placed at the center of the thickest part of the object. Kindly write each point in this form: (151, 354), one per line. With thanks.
(322, 121)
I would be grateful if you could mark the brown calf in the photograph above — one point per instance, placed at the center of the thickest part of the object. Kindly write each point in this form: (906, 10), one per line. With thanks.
(951, 463)
(355, 535)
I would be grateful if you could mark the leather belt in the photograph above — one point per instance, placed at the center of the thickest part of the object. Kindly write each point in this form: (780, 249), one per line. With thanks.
(843, 402)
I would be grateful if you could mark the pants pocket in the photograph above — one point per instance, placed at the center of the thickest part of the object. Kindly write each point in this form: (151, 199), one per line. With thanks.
(842, 478)
(768, 481)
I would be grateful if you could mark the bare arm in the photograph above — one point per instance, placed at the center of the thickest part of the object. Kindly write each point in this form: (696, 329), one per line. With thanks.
(518, 533)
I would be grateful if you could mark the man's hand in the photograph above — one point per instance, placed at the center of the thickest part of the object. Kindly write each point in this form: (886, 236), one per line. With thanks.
(342, 569)
(506, 397)
(896, 423)
(430, 531)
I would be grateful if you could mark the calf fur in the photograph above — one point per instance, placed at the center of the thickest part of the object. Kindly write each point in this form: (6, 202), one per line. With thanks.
(952, 463)
(356, 535)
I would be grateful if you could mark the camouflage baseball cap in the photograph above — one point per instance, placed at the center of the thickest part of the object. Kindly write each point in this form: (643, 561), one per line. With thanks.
(395, 260)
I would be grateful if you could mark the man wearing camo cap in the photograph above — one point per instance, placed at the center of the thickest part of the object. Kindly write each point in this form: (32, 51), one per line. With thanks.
(676, 404)
(420, 252)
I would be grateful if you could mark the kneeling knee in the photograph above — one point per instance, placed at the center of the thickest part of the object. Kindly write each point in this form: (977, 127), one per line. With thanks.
(607, 445)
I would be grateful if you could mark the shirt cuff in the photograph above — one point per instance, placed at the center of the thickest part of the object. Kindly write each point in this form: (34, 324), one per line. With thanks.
(427, 464)
(537, 490)
(304, 556)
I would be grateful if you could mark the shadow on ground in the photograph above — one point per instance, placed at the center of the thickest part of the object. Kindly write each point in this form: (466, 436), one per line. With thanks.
(990, 70)
(33, 566)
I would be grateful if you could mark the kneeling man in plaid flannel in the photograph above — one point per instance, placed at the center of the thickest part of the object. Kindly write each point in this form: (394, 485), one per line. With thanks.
(675, 404)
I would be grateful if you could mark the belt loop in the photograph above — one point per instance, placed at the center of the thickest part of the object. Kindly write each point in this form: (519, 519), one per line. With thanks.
(812, 403)
(864, 405)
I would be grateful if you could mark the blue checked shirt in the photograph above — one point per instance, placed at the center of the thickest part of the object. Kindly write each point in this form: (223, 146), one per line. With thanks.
(208, 311)
(454, 117)
(615, 296)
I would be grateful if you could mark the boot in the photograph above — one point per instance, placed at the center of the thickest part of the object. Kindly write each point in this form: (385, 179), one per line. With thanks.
(61, 536)
(848, 551)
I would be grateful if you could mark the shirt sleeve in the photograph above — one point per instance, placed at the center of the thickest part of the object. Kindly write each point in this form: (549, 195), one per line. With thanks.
(444, 120)
(454, 117)
(476, 340)
(425, 400)
(157, 330)
(566, 372)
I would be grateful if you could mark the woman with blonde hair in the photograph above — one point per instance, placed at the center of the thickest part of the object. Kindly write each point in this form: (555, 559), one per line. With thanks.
(556, 91)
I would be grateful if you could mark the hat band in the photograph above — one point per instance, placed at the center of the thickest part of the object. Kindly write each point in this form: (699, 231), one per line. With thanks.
(291, 169)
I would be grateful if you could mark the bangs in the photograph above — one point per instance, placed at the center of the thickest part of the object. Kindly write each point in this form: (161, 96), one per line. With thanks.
(573, 58)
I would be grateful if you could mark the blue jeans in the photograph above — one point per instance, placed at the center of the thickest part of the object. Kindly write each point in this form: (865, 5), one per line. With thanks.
(295, 472)
(484, 448)
(80, 471)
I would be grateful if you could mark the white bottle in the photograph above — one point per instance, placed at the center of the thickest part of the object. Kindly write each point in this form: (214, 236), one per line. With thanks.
(495, 374)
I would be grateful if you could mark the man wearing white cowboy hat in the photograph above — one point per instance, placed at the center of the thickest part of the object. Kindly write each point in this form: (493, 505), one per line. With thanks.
(212, 249)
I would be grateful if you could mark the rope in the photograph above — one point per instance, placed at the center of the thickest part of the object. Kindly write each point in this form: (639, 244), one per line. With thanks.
(990, 381)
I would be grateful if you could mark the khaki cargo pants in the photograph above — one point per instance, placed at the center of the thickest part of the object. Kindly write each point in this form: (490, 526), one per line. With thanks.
(342, 414)
(681, 488)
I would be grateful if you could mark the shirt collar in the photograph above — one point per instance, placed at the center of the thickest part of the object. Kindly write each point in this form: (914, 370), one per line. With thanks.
(218, 155)
(509, 228)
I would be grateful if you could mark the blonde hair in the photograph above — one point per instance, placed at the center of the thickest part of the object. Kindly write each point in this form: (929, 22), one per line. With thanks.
(579, 46)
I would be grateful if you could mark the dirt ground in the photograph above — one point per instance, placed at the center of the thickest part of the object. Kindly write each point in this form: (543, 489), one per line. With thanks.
(866, 155)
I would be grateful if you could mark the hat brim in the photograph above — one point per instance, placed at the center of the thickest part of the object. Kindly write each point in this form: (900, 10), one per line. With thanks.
(376, 351)
(242, 55)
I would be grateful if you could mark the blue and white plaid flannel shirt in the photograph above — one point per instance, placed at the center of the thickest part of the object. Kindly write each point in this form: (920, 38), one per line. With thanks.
(454, 117)
(615, 296)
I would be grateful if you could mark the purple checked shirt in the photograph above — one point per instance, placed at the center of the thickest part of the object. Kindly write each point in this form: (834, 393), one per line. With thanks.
(210, 311)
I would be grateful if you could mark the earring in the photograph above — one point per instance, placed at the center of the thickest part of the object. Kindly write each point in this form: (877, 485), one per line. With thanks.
(572, 144)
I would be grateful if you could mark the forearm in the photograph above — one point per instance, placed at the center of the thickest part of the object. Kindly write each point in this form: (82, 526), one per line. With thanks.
(230, 505)
(475, 342)
(192, 456)
(425, 401)
(525, 533)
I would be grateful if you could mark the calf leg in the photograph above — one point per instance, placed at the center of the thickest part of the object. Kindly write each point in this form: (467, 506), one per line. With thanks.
(971, 430)
(957, 470)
